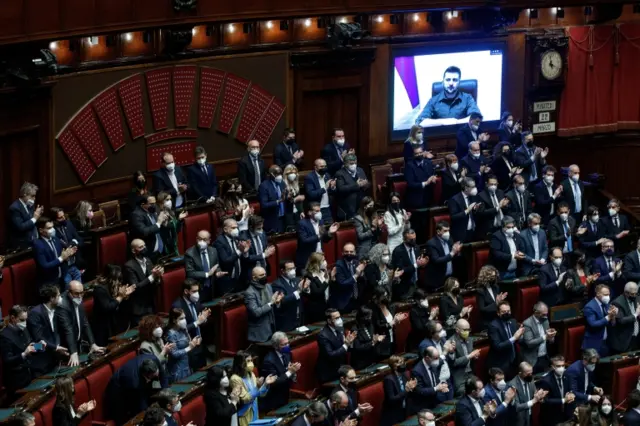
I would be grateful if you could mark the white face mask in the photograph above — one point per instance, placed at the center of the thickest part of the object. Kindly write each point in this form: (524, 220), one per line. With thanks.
(340, 142)
(317, 216)
(492, 188)
(171, 167)
(323, 265)
(606, 409)
(202, 161)
(224, 382)
(157, 332)
(194, 297)
(595, 218)
(559, 371)
(535, 228)
(520, 188)
(182, 323)
(475, 127)
(51, 232)
(605, 299)
(442, 334)
(291, 274)
(575, 177)
(548, 179)
(386, 259)
(430, 424)
(501, 385)
(510, 123)
(445, 236)
(278, 179)
(419, 137)
(481, 394)
(473, 192)
(292, 177)
(557, 262)
(21, 325)
(424, 303)
(475, 155)
(435, 363)
(613, 212)
(202, 245)
(167, 204)
(235, 232)
(338, 323)
(177, 407)
(510, 231)
(30, 202)
(352, 167)
(454, 167)
(77, 301)
(254, 152)
(564, 216)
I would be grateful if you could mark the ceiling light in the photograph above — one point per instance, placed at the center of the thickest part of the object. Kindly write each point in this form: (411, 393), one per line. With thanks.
(380, 19)
(454, 13)
(416, 17)
(343, 20)
(194, 30)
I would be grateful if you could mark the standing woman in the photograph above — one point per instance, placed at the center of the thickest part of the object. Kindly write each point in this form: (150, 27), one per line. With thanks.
(415, 140)
(377, 273)
(508, 130)
(83, 221)
(368, 227)
(319, 279)
(293, 205)
(171, 226)
(220, 401)
(150, 332)
(452, 305)
(365, 347)
(396, 220)
(178, 364)
(138, 190)
(384, 319)
(420, 317)
(451, 177)
(397, 388)
(503, 166)
(108, 319)
(250, 388)
(64, 413)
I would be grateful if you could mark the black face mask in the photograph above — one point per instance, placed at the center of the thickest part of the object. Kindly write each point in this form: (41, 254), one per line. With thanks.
(418, 158)
(455, 290)
(401, 368)
(141, 184)
(143, 252)
(505, 317)
(528, 379)
(506, 153)
(411, 243)
(290, 141)
(62, 222)
(151, 209)
(322, 171)
(262, 281)
(395, 206)
(529, 143)
(369, 210)
(384, 301)
(349, 257)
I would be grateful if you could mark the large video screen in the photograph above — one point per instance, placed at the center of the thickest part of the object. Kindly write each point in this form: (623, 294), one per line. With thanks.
(440, 89)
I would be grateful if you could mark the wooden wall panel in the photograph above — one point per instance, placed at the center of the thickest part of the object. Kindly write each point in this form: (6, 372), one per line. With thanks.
(46, 20)
(113, 12)
(76, 14)
(11, 19)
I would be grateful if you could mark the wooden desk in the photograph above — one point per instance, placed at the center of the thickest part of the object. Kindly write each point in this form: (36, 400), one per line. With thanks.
(218, 307)
(294, 409)
(606, 368)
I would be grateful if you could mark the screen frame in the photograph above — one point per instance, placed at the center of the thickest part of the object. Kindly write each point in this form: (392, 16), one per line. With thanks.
(451, 46)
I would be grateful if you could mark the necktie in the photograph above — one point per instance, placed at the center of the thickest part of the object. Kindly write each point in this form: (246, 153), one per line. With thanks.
(609, 264)
(594, 228)
(604, 310)
(280, 205)
(557, 272)
(534, 172)
(195, 316)
(412, 257)
(352, 270)
(433, 377)
(521, 202)
(576, 197)
(53, 248)
(615, 221)
(258, 245)
(205, 267)
(236, 269)
(256, 180)
(560, 386)
(567, 234)
(63, 234)
(204, 170)
(636, 326)
(445, 247)
(509, 336)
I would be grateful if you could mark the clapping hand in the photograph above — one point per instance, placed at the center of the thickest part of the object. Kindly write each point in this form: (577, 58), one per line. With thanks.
(271, 378)
(349, 337)
(581, 230)
(304, 285)
(377, 338)
(86, 407)
(365, 408)
(569, 397)
(183, 215)
(544, 153)
(411, 385)
(500, 297)
(519, 333)
(334, 228)
(474, 354)
(293, 367)
(399, 317)
(157, 271)
(457, 248)
(442, 387)
(398, 273)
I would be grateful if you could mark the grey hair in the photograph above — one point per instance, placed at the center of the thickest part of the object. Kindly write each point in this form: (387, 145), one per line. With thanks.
(508, 220)
(350, 157)
(590, 353)
(533, 216)
(468, 183)
(630, 286)
(538, 306)
(375, 254)
(276, 338)
(471, 143)
(613, 202)
(317, 409)
(28, 189)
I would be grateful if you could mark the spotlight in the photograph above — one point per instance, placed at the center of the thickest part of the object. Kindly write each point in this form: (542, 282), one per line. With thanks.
(416, 17)
(533, 13)
(393, 19)
(269, 24)
(380, 19)
(307, 22)
(560, 12)
(343, 20)
(449, 15)
(128, 36)
(146, 36)
(588, 10)
(53, 45)
(284, 25)
(230, 28)
(247, 27)
(454, 13)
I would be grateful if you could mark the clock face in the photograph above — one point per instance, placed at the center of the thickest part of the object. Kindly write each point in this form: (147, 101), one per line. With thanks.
(551, 64)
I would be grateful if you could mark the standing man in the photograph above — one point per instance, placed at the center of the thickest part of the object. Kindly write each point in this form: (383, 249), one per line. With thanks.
(170, 179)
(441, 252)
(251, 168)
(18, 350)
(550, 279)
(261, 302)
(534, 241)
(475, 165)
(520, 206)
(460, 360)
(145, 225)
(42, 327)
(600, 316)
(232, 254)
(196, 315)
(537, 335)
(333, 345)
(201, 265)
(288, 152)
(562, 228)
(429, 390)
(202, 181)
(351, 184)
(319, 188)
(312, 234)
(142, 273)
(624, 333)
(616, 224)
(259, 249)
(580, 375)
(408, 258)
(272, 194)
(462, 210)
(420, 176)
(496, 391)
(573, 193)
(560, 402)
(494, 207)
(470, 132)
(504, 334)
(343, 296)
(545, 194)
(290, 315)
(471, 410)
(531, 159)
(334, 152)
(506, 249)
(52, 261)
(526, 395)
(23, 215)
(278, 362)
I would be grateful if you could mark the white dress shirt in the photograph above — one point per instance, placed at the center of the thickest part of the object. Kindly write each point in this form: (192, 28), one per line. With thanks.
(174, 183)
(324, 201)
(512, 247)
(316, 228)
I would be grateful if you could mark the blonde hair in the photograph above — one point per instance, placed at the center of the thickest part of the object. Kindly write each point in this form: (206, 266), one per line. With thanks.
(314, 262)
(414, 131)
(291, 186)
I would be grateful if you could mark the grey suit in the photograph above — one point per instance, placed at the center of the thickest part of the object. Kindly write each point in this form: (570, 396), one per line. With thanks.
(532, 339)
(195, 270)
(459, 364)
(522, 415)
(262, 320)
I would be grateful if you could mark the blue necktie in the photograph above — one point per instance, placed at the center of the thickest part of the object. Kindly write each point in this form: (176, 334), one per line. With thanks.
(205, 268)
(195, 316)
(568, 235)
(445, 246)
(280, 205)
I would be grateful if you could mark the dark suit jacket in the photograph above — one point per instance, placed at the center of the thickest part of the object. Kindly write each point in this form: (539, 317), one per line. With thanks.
(551, 293)
(341, 291)
(39, 328)
(312, 189)
(487, 215)
(396, 401)
(331, 355)
(47, 264)
(473, 169)
(631, 267)
(348, 191)
(290, 314)
(400, 260)
(631, 417)
(450, 184)
(523, 159)
(270, 203)
(500, 253)
(67, 323)
(575, 373)
(181, 303)
(201, 186)
(140, 226)
(308, 240)
(228, 259)
(597, 323)
(554, 410)
(332, 154)
(127, 393)
(247, 173)
(415, 174)
(108, 319)
(424, 395)
(528, 237)
(517, 211)
(419, 318)
(500, 169)
(544, 202)
(487, 304)
(620, 338)
(600, 266)
(253, 257)
(20, 227)
(16, 371)
(283, 153)
(161, 182)
(502, 412)
(557, 237)
(520, 412)
(364, 352)
(278, 394)
(466, 413)
(218, 408)
(568, 196)
(612, 230)
(463, 138)
(505, 134)
(61, 416)
(142, 301)
(381, 327)
(195, 270)
(502, 353)
(437, 266)
(459, 219)
(589, 239)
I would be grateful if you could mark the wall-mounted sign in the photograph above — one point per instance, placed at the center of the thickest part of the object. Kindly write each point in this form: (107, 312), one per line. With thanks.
(544, 117)
(544, 128)
(544, 106)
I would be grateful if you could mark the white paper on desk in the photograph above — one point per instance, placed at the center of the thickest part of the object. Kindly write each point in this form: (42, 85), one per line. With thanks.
(302, 329)
(382, 367)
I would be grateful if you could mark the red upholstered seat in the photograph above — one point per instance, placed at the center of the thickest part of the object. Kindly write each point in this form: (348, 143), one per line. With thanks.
(273, 268)
(401, 188)
(624, 381)
(306, 354)
(194, 224)
(480, 364)
(235, 323)
(98, 381)
(256, 207)
(435, 220)
(474, 320)
(81, 396)
(215, 224)
(39, 420)
(87, 304)
(573, 343)
(6, 290)
(402, 331)
(193, 411)
(480, 258)
(46, 412)
(171, 287)
(122, 360)
(112, 249)
(437, 193)
(527, 297)
(344, 236)
(374, 395)
(23, 280)
(329, 249)
(285, 250)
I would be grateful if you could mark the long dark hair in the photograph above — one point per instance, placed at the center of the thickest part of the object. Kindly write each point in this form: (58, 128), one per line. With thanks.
(239, 363)
(111, 279)
(214, 377)
(64, 392)
(390, 209)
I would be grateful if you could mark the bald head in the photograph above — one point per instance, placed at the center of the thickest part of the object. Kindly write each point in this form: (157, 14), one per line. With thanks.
(339, 400)
(258, 273)
(348, 251)
(76, 286)
(138, 247)
(463, 329)
(320, 164)
(253, 144)
(204, 235)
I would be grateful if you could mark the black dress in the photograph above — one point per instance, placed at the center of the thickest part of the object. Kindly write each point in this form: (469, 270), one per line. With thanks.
(108, 318)
(419, 318)
(61, 416)
(380, 326)
(219, 410)
(314, 311)
(365, 352)
(450, 312)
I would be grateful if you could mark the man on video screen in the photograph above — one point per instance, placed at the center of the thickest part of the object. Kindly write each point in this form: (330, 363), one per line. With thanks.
(451, 106)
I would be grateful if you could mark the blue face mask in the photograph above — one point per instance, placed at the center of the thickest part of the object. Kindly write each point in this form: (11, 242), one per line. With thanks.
(285, 350)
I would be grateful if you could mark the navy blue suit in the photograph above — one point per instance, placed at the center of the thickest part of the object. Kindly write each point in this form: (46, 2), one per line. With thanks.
(128, 393)
(569, 196)
(600, 266)
(162, 183)
(553, 410)
(551, 293)
(253, 259)
(463, 138)
(528, 237)
(502, 353)
(473, 169)
(588, 239)
(283, 154)
(49, 269)
(332, 154)
(270, 205)
(291, 312)
(500, 253)
(631, 417)
(523, 159)
(278, 394)
(502, 412)
(631, 267)
(438, 261)
(544, 203)
(576, 373)
(459, 218)
(612, 229)
(597, 324)
(424, 395)
(313, 190)
(415, 173)
(331, 354)
(40, 329)
(228, 259)
(519, 211)
(341, 291)
(407, 150)
(202, 186)
(21, 229)
(308, 240)
(466, 413)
